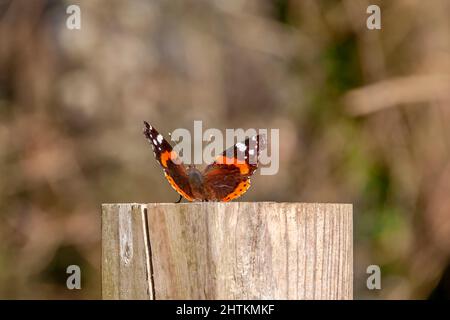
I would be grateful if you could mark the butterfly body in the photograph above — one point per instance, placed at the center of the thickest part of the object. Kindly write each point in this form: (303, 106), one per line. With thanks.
(197, 184)
(224, 180)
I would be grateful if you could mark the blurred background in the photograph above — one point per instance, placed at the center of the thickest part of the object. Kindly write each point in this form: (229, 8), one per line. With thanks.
(363, 115)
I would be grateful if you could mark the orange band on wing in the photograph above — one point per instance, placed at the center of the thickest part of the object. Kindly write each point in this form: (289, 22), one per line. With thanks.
(238, 191)
(166, 155)
(177, 188)
(243, 167)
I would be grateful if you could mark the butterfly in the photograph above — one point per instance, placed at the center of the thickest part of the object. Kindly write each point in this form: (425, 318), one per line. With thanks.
(227, 178)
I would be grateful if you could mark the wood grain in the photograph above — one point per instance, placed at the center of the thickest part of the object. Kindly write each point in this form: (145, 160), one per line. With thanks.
(126, 270)
(234, 250)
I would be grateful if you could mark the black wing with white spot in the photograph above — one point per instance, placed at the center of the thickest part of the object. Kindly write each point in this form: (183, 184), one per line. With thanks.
(246, 152)
(174, 170)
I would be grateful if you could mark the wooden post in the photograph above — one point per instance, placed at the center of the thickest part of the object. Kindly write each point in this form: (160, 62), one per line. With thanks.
(237, 250)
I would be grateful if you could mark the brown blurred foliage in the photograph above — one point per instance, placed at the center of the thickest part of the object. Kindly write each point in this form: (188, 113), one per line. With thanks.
(363, 115)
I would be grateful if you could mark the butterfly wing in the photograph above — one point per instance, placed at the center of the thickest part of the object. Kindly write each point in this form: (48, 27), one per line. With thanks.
(174, 170)
(229, 176)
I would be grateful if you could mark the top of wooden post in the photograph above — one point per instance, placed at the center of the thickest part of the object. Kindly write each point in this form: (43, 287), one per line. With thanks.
(235, 250)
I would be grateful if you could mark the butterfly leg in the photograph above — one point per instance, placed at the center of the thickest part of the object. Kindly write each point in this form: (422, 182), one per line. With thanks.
(179, 200)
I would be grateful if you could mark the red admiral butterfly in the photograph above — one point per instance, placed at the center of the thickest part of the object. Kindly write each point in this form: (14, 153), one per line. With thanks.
(227, 178)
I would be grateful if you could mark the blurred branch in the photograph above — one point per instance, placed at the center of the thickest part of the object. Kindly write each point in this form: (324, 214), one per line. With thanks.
(390, 93)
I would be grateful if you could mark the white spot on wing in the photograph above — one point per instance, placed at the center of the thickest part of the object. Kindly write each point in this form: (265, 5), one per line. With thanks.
(159, 138)
(251, 152)
(154, 141)
(241, 147)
